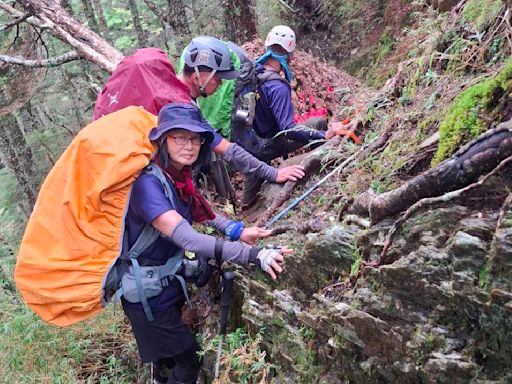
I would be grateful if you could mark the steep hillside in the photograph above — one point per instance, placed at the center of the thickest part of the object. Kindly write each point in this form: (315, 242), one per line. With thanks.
(424, 297)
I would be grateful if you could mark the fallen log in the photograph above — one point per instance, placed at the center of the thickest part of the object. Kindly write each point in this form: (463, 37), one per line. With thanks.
(478, 157)
(311, 163)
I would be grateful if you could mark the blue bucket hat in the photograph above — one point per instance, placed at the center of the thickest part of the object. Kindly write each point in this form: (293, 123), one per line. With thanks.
(181, 116)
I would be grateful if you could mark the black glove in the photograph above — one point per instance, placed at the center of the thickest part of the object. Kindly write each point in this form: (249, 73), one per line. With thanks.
(318, 123)
(197, 270)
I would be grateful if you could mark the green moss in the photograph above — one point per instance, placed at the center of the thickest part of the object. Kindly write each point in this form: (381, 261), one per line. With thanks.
(480, 13)
(356, 265)
(484, 277)
(463, 120)
(386, 45)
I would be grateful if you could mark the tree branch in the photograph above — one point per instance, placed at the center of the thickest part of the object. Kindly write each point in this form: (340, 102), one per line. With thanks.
(19, 20)
(52, 62)
(13, 12)
(156, 10)
(55, 20)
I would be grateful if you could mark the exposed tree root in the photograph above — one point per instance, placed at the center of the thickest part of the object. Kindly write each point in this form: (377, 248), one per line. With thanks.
(464, 167)
(435, 200)
(352, 279)
(358, 220)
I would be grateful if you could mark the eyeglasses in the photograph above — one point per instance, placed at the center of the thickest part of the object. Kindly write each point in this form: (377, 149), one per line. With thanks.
(183, 140)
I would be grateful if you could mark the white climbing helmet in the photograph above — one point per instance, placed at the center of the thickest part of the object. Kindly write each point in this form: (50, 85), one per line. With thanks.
(282, 36)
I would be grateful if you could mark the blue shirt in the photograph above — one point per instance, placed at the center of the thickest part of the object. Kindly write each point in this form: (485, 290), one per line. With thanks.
(147, 202)
(274, 112)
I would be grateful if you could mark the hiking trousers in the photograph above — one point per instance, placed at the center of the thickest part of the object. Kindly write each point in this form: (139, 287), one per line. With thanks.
(273, 148)
(166, 341)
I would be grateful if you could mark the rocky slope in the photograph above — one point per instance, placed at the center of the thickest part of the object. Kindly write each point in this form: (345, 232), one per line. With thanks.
(439, 309)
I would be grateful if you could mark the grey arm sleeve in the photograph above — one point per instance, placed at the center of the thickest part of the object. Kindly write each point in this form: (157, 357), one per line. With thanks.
(220, 223)
(186, 237)
(246, 163)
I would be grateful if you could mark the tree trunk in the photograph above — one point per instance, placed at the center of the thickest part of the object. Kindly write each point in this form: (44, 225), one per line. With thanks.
(240, 20)
(101, 20)
(141, 36)
(164, 22)
(50, 15)
(17, 156)
(90, 16)
(177, 17)
(28, 119)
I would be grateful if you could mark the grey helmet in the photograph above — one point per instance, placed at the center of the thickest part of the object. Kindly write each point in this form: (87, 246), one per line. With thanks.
(210, 52)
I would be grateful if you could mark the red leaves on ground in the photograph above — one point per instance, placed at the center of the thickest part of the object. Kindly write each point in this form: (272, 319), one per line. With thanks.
(317, 86)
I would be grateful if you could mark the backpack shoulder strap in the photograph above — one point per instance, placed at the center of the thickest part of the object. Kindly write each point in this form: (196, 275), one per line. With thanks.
(267, 75)
(156, 171)
(146, 238)
(149, 233)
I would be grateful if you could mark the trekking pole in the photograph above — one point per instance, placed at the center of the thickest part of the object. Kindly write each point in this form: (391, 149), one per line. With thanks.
(308, 192)
(227, 285)
(229, 187)
(218, 177)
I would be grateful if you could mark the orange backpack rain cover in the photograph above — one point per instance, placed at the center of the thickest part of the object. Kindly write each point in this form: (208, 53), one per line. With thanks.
(75, 232)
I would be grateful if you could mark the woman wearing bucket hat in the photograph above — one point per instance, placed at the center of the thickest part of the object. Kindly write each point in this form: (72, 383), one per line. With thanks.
(182, 138)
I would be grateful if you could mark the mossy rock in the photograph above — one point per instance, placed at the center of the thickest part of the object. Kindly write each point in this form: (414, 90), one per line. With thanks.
(463, 121)
(481, 13)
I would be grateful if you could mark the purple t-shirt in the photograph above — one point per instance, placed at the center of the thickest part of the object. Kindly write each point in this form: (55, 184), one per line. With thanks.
(274, 112)
(147, 202)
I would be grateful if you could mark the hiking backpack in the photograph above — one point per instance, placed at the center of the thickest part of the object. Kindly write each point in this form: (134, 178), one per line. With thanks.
(244, 101)
(67, 269)
(145, 79)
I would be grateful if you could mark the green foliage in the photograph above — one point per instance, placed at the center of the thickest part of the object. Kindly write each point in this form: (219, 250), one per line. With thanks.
(269, 14)
(321, 200)
(406, 97)
(307, 333)
(125, 43)
(12, 218)
(32, 351)
(242, 360)
(118, 18)
(377, 186)
(464, 120)
(429, 78)
(430, 101)
(386, 45)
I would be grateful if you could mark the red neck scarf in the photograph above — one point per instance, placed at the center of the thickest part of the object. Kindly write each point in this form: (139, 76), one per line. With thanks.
(182, 180)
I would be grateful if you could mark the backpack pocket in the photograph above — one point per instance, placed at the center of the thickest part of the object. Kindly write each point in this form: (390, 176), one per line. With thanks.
(152, 284)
